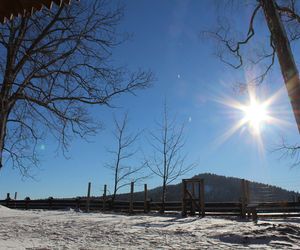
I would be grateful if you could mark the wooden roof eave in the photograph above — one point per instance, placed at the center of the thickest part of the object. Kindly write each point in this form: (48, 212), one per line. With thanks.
(13, 8)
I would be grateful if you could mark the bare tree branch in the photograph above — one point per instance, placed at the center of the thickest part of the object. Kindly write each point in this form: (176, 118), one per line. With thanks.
(232, 51)
(167, 162)
(54, 65)
(289, 151)
(124, 174)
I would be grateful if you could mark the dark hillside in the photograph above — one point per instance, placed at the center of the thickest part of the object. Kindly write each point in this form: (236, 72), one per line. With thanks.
(220, 189)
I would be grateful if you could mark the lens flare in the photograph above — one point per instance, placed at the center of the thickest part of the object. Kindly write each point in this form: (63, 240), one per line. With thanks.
(254, 115)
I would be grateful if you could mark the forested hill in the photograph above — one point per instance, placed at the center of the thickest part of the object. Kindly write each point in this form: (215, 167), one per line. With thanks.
(220, 189)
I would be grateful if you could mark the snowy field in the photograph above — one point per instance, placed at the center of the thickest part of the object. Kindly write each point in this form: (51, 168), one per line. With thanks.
(71, 230)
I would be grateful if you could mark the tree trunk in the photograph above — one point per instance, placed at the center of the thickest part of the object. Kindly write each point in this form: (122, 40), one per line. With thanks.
(285, 57)
(116, 179)
(3, 122)
(163, 198)
(114, 194)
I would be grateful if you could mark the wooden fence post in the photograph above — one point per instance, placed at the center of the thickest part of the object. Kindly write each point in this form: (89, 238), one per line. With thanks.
(7, 199)
(27, 200)
(88, 198)
(50, 202)
(15, 198)
(183, 212)
(104, 198)
(193, 196)
(78, 203)
(248, 192)
(146, 208)
(131, 197)
(243, 198)
(202, 204)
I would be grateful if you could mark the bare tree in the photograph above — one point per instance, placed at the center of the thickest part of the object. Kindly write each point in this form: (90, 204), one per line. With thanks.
(54, 65)
(168, 161)
(288, 150)
(123, 172)
(283, 21)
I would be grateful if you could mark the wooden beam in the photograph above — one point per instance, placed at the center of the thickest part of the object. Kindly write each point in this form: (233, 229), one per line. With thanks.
(243, 198)
(193, 196)
(104, 198)
(131, 197)
(146, 209)
(183, 210)
(202, 204)
(88, 198)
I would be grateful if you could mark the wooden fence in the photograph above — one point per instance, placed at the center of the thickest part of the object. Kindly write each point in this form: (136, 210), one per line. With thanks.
(96, 204)
(186, 206)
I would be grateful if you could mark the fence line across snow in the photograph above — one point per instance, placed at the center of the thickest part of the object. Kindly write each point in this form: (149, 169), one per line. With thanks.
(104, 203)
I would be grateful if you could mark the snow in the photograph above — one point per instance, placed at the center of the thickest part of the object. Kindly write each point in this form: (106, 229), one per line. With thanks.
(43, 230)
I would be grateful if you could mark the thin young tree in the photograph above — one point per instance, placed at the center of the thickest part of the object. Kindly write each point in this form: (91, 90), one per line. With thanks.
(123, 171)
(168, 161)
(53, 66)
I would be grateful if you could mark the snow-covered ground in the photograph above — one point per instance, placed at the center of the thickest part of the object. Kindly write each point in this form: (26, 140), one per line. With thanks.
(72, 230)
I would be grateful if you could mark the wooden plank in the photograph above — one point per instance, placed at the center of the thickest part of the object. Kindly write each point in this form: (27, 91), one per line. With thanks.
(243, 198)
(27, 201)
(104, 198)
(210, 207)
(202, 203)
(193, 205)
(224, 209)
(146, 208)
(192, 201)
(223, 204)
(279, 204)
(183, 210)
(248, 192)
(131, 197)
(88, 198)
(192, 180)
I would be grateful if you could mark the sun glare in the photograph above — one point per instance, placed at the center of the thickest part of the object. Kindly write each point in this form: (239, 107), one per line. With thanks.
(256, 114)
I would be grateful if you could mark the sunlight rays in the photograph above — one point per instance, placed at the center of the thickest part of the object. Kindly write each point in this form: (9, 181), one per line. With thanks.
(255, 116)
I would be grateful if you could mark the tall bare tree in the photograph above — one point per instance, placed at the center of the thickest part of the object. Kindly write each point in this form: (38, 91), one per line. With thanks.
(168, 161)
(283, 22)
(53, 66)
(123, 171)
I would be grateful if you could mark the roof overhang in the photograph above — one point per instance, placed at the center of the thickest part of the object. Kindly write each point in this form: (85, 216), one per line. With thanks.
(12, 8)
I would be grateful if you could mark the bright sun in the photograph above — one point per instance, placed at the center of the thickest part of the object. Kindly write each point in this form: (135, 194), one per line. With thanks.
(256, 114)
(253, 114)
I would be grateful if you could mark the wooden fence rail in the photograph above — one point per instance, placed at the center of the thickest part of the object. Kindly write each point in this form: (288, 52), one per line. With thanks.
(96, 204)
(191, 202)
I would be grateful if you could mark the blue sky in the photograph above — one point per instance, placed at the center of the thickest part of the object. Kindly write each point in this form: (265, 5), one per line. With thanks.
(166, 39)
